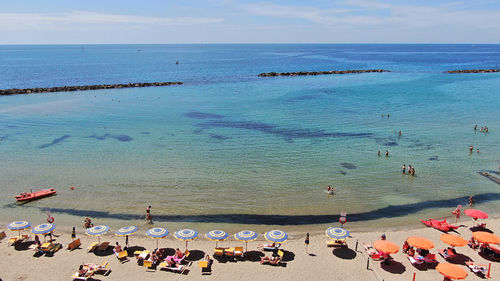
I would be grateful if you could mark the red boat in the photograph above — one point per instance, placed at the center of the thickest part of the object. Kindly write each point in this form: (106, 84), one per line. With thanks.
(439, 225)
(28, 196)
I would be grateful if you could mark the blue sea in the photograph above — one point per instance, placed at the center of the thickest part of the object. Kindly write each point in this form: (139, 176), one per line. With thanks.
(231, 150)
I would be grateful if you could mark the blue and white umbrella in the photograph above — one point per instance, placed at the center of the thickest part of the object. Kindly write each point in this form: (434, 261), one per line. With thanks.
(157, 233)
(126, 231)
(18, 225)
(98, 231)
(246, 235)
(276, 236)
(337, 233)
(216, 235)
(43, 228)
(186, 235)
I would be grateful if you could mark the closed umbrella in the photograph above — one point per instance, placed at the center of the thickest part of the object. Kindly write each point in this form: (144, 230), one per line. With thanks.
(157, 233)
(453, 240)
(451, 271)
(19, 226)
(486, 237)
(216, 235)
(337, 233)
(98, 231)
(276, 236)
(126, 231)
(420, 242)
(186, 235)
(385, 247)
(246, 235)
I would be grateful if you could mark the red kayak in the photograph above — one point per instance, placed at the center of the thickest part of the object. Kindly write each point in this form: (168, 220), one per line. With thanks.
(28, 196)
(439, 225)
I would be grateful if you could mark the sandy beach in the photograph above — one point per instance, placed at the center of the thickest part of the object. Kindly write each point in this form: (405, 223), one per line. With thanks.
(322, 263)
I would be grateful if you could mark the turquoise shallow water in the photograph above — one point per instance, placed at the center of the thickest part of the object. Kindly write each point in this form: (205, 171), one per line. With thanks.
(229, 149)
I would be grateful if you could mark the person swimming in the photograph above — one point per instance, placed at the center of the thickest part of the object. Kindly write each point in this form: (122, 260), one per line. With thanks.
(330, 190)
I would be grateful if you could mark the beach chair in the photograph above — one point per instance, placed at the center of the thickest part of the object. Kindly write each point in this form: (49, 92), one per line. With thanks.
(336, 243)
(269, 247)
(178, 268)
(14, 240)
(142, 255)
(92, 247)
(430, 259)
(122, 256)
(477, 268)
(74, 244)
(416, 261)
(374, 254)
(447, 253)
(148, 264)
(273, 260)
(229, 253)
(219, 252)
(103, 268)
(206, 267)
(86, 276)
(46, 246)
(238, 252)
(102, 247)
(2, 235)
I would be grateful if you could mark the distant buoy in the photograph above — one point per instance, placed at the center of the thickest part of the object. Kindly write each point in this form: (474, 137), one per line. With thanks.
(50, 219)
(72, 188)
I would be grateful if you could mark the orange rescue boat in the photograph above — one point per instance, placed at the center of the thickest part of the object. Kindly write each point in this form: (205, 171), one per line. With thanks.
(28, 196)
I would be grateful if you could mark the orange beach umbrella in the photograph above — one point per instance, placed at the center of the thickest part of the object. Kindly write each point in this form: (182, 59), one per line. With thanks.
(385, 246)
(453, 240)
(420, 242)
(486, 237)
(451, 271)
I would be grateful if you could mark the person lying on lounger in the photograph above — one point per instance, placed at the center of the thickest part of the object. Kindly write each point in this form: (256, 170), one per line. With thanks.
(271, 260)
(268, 246)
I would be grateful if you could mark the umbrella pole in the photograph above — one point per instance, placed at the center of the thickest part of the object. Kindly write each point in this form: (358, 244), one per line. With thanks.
(157, 240)
(246, 246)
(216, 243)
(186, 245)
(99, 239)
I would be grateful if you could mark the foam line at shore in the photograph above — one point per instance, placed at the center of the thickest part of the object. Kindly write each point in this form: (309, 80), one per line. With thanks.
(15, 91)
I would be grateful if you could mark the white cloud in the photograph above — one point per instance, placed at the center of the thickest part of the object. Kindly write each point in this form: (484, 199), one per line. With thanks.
(20, 21)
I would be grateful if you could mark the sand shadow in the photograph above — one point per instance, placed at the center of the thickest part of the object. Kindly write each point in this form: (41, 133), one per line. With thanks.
(477, 228)
(253, 256)
(288, 256)
(344, 253)
(195, 255)
(459, 259)
(23, 246)
(393, 267)
(131, 250)
(106, 252)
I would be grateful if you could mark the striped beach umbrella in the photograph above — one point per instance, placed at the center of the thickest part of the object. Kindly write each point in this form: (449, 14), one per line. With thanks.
(337, 233)
(43, 228)
(126, 231)
(246, 235)
(98, 231)
(216, 235)
(186, 235)
(276, 236)
(157, 233)
(18, 225)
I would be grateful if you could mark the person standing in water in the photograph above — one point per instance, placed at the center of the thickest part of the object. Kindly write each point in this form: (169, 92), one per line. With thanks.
(148, 214)
(404, 168)
(387, 153)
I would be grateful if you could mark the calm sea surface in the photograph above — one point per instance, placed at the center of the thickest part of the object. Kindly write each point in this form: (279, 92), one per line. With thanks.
(231, 150)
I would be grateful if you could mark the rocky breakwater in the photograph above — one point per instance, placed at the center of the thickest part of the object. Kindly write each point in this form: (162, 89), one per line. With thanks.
(473, 71)
(84, 88)
(312, 73)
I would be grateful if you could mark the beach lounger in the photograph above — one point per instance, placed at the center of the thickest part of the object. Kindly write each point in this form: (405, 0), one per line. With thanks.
(416, 261)
(122, 256)
(206, 267)
(91, 270)
(219, 252)
(74, 244)
(269, 247)
(179, 268)
(102, 247)
(229, 252)
(238, 252)
(2, 235)
(430, 259)
(447, 254)
(276, 260)
(14, 240)
(477, 268)
(87, 275)
(141, 255)
(336, 243)
(370, 250)
(92, 247)
(148, 264)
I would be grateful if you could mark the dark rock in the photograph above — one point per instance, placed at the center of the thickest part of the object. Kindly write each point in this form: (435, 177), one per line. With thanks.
(303, 73)
(473, 71)
(15, 91)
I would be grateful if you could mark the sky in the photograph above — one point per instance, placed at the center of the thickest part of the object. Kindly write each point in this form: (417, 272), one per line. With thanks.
(248, 21)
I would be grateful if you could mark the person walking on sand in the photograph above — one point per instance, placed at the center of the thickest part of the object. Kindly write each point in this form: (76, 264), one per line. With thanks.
(307, 242)
(148, 214)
